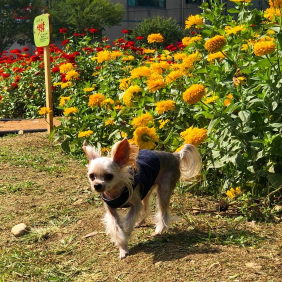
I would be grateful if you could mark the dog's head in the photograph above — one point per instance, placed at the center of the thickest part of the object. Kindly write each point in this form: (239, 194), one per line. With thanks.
(111, 173)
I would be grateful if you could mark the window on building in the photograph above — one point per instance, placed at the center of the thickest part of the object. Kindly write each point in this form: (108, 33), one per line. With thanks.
(194, 2)
(146, 3)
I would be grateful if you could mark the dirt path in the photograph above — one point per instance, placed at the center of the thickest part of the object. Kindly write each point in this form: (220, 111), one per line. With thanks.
(25, 124)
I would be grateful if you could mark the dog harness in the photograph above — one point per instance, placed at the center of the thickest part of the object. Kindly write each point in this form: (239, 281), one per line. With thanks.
(148, 169)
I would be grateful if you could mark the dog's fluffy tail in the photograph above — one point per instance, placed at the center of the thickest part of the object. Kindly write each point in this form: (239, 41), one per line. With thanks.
(190, 162)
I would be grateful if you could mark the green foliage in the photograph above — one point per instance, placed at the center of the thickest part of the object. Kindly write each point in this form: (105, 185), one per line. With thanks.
(167, 27)
(241, 109)
(78, 15)
(16, 23)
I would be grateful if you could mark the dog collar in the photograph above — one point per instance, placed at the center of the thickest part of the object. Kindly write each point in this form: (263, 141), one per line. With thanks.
(119, 201)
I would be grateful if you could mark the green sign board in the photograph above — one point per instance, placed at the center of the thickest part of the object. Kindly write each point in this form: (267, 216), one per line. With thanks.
(41, 30)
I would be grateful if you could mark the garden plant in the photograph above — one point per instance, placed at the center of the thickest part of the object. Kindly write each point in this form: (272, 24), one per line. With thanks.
(218, 89)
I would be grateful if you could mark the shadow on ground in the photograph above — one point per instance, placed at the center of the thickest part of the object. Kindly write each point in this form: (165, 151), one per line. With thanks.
(179, 244)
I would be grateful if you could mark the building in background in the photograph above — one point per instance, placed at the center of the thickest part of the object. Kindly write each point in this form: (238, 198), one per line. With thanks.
(137, 10)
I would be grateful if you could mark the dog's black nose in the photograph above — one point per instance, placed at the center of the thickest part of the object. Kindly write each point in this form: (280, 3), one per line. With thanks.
(98, 186)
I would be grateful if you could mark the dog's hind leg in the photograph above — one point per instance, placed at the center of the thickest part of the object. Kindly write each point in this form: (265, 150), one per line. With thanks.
(164, 192)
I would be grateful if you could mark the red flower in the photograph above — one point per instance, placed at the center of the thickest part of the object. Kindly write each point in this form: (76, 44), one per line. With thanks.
(125, 31)
(0, 97)
(55, 69)
(14, 85)
(25, 49)
(139, 38)
(65, 42)
(5, 75)
(82, 34)
(193, 32)
(15, 51)
(98, 49)
(76, 34)
(63, 30)
(35, 58)
(93, 30)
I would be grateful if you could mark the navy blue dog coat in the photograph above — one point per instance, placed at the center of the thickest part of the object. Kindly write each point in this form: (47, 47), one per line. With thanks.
(148, 169)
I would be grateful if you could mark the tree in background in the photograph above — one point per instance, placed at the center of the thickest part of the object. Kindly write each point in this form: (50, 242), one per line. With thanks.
(167, 27)
(16, 21)
(78, 15)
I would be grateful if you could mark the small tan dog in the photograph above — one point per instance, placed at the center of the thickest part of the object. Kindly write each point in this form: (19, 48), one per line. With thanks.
(127, 179)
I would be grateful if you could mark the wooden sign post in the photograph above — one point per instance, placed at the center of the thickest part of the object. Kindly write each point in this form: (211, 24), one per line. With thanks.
(42, 37)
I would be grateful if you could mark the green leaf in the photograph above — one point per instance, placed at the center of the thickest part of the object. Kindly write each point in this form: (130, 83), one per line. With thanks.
(275, 179)
(212, 124)
(239, 161)
(233, 11)
(244, 116)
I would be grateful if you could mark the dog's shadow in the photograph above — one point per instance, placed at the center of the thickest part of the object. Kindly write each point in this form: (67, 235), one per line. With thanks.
(175, 245)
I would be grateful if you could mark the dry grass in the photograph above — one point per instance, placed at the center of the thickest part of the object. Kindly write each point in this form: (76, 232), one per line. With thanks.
(48, 191)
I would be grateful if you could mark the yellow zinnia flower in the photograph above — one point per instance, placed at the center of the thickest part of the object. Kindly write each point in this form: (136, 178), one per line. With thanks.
(71, 110)
(66, 84)
(128, 94)
(263, 48)
(164, 106)
(155, 37)
(215, 44)
(71, 75)
(85, 133)
(96, 100)
(193, 20)
(140, 72)
(44, 111)
(63, 100)
(155, 82)
(232, 193)
(194, 135)
(210, 99)
(88, 89)
(173, 76)
(145, 137)
(65, 67)
(109, 122)
(234, 30)
(124, 83)
(227, 101)
(194, 94)
(102, 56)
(142, 120)
(213, 56)
(189, 40)
(163, 123)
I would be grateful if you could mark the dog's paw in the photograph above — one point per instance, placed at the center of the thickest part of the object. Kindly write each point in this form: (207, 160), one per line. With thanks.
(123, 254)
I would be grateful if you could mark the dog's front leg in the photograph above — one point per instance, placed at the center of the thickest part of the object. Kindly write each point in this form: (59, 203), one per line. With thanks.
(115, 231)
(131, 217)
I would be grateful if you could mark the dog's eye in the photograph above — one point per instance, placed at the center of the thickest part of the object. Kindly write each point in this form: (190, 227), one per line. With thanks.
(108, 177)
(92, 176)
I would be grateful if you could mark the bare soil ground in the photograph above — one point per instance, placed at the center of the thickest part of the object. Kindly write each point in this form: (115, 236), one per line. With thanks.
(48, 191)
(26, 124)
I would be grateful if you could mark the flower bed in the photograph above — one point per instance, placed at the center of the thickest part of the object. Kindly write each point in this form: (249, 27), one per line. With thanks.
(219, 89)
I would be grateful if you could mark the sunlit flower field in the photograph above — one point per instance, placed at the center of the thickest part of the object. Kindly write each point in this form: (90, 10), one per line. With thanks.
(218, 89)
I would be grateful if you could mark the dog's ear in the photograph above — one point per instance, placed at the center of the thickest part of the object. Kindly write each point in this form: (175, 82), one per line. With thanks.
(120, 152)
(90, 152)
